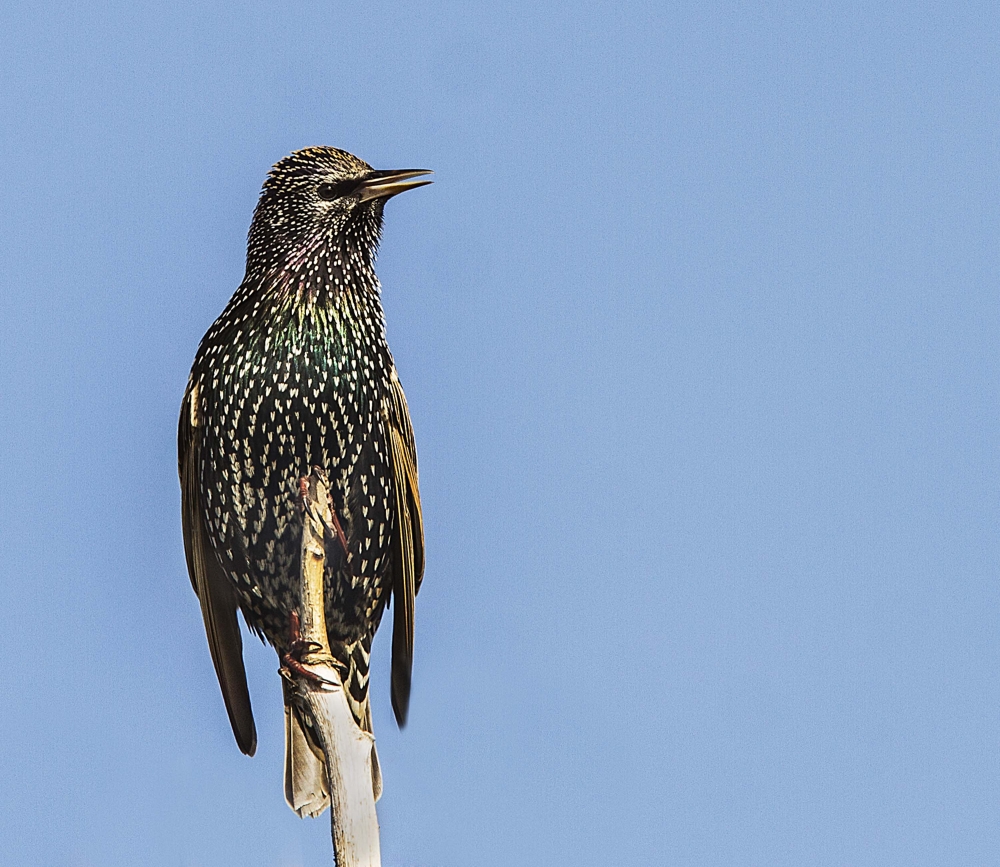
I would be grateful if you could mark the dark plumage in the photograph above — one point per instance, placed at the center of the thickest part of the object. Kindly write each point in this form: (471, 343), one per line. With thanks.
(296, 373)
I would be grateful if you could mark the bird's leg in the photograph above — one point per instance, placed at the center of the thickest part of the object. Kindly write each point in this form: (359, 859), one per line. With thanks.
(317, 517)
(338, 530)
(291, 659)
(298, 646)
(340, 533)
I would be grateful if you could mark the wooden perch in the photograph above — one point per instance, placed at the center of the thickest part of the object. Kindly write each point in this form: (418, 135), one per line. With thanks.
(318, 686)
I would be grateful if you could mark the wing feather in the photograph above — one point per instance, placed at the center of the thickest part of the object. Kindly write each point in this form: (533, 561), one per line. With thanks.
(215, 593)
(407, 545)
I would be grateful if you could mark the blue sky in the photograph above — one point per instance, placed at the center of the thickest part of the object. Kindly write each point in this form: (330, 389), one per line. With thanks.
(698, 328)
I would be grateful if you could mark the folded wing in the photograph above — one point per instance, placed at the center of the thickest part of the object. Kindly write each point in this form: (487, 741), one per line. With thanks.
(215, 593)
(407, 544)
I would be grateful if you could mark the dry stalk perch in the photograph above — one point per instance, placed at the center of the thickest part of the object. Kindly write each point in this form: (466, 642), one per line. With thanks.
(347, 749)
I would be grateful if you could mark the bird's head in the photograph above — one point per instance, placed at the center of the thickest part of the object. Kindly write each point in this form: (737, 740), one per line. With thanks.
(319, 195)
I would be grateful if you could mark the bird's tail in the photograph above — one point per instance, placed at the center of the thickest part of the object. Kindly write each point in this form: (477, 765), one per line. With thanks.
(306, 790)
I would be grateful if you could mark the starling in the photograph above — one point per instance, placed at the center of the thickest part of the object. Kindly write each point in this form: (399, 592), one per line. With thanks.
(296, 374)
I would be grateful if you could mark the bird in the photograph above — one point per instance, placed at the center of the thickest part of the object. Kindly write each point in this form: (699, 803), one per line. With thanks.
(296, 374)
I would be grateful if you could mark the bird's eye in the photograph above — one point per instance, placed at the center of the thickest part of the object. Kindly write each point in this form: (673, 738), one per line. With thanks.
(329, 192)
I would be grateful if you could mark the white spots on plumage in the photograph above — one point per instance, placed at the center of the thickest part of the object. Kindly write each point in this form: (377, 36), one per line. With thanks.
(296, 368)
(193, 404)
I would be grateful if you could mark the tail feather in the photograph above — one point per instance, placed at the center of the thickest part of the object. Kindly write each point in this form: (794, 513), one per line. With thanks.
(376, 770)
(306, 790)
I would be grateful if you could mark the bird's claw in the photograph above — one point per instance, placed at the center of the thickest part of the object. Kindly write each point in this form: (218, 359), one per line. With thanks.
(292, 666)
(298, 647)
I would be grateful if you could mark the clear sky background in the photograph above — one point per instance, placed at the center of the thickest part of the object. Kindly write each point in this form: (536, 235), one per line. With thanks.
(698, 325)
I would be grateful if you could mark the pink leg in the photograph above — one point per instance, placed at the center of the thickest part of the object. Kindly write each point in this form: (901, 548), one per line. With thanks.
(304, 493)
(291, 660)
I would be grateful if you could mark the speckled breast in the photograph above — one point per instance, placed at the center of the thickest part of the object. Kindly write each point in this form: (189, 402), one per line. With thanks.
(277, 405)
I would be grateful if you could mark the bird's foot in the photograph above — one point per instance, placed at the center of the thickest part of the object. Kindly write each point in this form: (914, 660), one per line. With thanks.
(291, 659)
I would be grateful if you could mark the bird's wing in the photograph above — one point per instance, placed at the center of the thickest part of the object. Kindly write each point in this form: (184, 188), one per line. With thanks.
(407, 544)
(217, 597)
